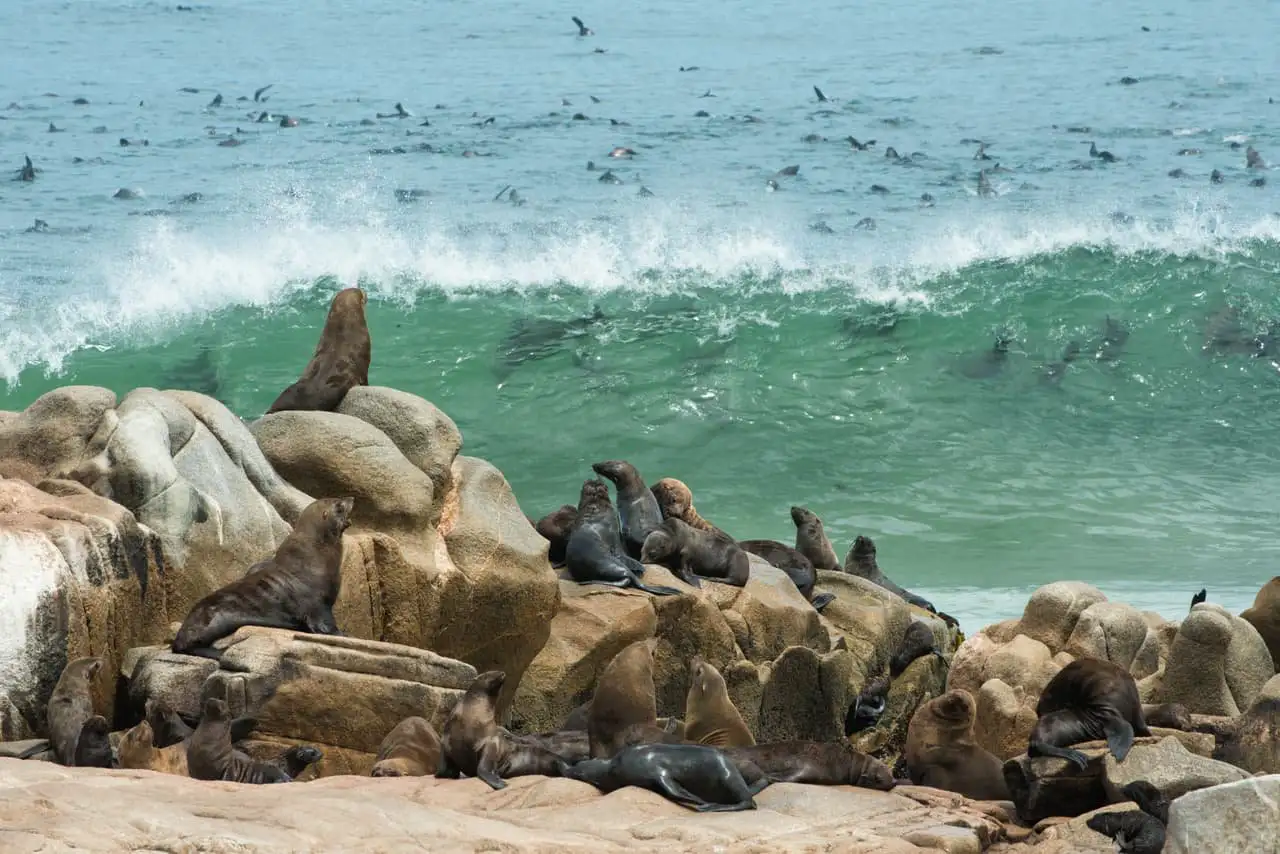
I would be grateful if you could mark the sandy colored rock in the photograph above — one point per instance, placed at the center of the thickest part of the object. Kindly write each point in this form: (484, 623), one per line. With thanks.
(1053, 610)
(1006, 716)
(771, 614)
(1110, 631)
(52, 433)
(1252, 740)
(871, 620)
(1227, 819)
(1169, 767)
(1217, 665)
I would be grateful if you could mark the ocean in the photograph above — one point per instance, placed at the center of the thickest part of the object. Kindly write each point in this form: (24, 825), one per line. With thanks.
(1072, 376)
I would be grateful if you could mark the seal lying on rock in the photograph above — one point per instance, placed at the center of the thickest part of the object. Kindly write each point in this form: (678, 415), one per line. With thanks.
(694, 776)
(341, 360)
(940, 750)
(675, 500)
(138, 750)
(411, 749)
(637, 507)
(555, 528)
(861, 561)
(710, 717)
(1089, 699)
(693, 555)
(294, 589)
(821, 763)
(916, 642)
(211, 756)
(793, 562)
(78, 736)
(595, 554)
(474, 744)
(1136, 832)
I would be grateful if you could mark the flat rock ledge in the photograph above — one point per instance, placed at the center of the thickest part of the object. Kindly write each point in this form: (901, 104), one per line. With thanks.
(48, 808)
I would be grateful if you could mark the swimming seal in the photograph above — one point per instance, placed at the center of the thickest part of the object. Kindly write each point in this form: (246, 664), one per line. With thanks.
(811, 539)
(940, 750)
(710, 717)
(77, 735)
(1089, 699)
(820, 763)
(693, 555)
(474, 744)
(793, 562)
(637, 507)
(861, 561)
(555, 528)
(341, 360)
(293, 589)
(411, 749)
(1140, 831)
(624, 708)
(676, 500)
(211, 756)
(694, 776)
(594, 553)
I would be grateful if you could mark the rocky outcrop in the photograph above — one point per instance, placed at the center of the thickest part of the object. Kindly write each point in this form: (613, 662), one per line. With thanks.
(1227, 819)
(1264, 615)
(1217, 665)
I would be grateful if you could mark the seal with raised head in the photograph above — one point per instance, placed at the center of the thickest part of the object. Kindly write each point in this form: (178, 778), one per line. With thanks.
(594, 554)
(692, 775)
(137, 750)
(341, 360)
(675, 500)
(940, 750)
(295, 588)
(211, 756)
(861, 561)
(693, 555)
(411, 749)
(555, 528)
(811, 539)
(624, 707)
(637, 507)
(710, 717)
(77, 735)
(820, 763)
(1140, 831)
(1089, 699)
(168, 727)
(474, 744)
(917, 641)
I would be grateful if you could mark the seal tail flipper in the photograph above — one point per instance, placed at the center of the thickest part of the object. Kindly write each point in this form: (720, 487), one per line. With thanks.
(822, 600)
(656, 589)
(203, 652)
(39, 747)
(1119, 736)
(748, 804)
(1037, 748)
(1199, 597)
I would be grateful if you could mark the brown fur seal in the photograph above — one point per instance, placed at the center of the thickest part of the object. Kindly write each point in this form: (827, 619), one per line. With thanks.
(595, 554)
(624, 708)
(637, 507)
(675, 500)
(1264, 615)
(168, 727)
(294, 589)
(793, 562)
(341, 360)
(411, 749)
(916, 642)
(865, 711)
(570, 745)
(693, 555)
(940, 750)
(137, 750)
(710, 717)
(1087, 700)
(555, 528)
(474, 744)
(1252, 740)
(692, 775)
(1169, 716)
(820, 763)
(210, 755)
(861, 561)
(77, 735)
(811, 539)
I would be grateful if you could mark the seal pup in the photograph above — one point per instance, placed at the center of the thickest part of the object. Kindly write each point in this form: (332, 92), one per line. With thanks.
(168, 727)
(137, 750)
(793, 562)
(692, 775)
(1140, 831)
(693, 555)
(819, 763)
(866, 710)
(811, 539)
(341, 360)
(637, 507)
(295, 588)
(940, 750)
(624, 707)
(676, 500)
(861, 561)
(710, 717)
(211, 756)
(474, 744)
(555, 528)
(1089, 699)
(583, 29)
(411, 749)
(70, 711)
(594, 553)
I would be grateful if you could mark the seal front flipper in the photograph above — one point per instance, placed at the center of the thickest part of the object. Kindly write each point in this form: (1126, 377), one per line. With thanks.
(446, 770)
(1036, 748)
(822, 600)
(485, 770)
(322, 623)
(1119, 736)
(673, 791)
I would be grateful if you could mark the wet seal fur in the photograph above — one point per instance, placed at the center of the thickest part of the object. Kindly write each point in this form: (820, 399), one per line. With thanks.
(341, 360)
(675, 500)
(624, 708)
(295, 588)
(861, 561)
(1140, 831)
(77, 735)
(211, 756)
(694, 555)
(637, 507)
(555, 528)
(811, 539)
(692, 775)
(411, 749)
(820, 763)
(940, 750)
(710, 717)
(474, 744)
(793, 562)
(1087, 700)
(917, 641)
(594, 554)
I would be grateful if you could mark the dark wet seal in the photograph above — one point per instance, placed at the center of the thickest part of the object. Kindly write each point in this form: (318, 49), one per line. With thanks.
(1089, 699)
(822, 99)
(880, 189)
(583, 29)
(1104, 156)
(595, 553)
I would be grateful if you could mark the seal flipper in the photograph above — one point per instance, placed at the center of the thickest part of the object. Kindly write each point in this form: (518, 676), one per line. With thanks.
(446, 770)
(654, 590)
(1037, 748)
(1199, 597)
(485, 767)
(1119, 736)
(673, 791)
(822, 600)
(39, 747)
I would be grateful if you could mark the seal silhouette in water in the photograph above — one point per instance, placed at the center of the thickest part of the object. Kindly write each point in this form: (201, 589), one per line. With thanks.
(1089, 699)
(341, 360)
(295, 588)
(694, 776)
(594, 554)
(637, 507)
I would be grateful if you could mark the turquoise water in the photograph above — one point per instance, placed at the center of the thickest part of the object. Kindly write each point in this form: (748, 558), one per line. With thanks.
(760, 345)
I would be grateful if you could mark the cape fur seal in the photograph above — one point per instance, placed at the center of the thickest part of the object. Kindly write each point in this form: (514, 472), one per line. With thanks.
(940, 750)
(793, 562)
(168, 727)
(710, 717)
(341, 360)
(1087, 700)
(77, 735)
(637, 507)
(411, 749)
(861, 561)
(1140, 831)
(624, 707)
(138, 750)
(293, 589)
(555, 528)
(916, 642)
(211, 756)
(811, 539)
(693, 555)
(694, 776)
(675, 500)
(474, 744)
(594, 554)
(820, 763)
(570, 745)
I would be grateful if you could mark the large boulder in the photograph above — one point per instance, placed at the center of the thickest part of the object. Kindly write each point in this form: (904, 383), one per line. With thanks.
(1217, 665)
(1227, 819)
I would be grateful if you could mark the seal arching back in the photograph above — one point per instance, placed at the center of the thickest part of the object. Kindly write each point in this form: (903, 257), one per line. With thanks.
(341, 360)
(1086, 700)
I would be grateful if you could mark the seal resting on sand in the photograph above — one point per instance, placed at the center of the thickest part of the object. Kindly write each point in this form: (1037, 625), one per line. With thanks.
(341, 360)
